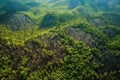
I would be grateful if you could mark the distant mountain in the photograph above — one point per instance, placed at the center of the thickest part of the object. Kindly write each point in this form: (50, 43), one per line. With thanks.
(95, 5)
(33, 4)
(76, 7)
(13, 6)
(105, 5)
(59, 39)
(75, 3)
(3, 2)
(16, 21)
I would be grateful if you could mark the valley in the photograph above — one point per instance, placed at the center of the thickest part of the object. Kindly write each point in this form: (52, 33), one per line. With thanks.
(59, 40)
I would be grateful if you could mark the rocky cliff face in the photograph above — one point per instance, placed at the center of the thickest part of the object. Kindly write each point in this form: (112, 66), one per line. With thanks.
(80, 35)
(16, 21)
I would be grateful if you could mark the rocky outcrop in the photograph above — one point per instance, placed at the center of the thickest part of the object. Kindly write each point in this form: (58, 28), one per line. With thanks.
(81, 36)
(16, 21)
(83, 10)
(110, 32)
(98, 22)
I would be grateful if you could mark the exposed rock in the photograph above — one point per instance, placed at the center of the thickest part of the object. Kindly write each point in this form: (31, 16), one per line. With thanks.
(98, 22)
(82, 10)
(16, 21)
(80, 36)
(109, 32)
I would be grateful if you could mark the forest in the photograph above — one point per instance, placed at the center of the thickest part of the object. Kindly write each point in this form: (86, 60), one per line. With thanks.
(59, 39)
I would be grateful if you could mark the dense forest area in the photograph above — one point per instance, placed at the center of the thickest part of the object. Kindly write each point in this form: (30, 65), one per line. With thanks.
(59, 40)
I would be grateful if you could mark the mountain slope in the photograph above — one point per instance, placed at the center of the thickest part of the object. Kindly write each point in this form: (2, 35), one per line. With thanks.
(13, 6)
(16, 21)
(59, 39)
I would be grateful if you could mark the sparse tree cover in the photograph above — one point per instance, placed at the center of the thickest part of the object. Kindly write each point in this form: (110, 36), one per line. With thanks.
(59, 40)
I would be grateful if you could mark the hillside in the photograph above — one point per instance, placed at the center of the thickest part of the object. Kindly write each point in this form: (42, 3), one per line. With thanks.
(59, 40)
